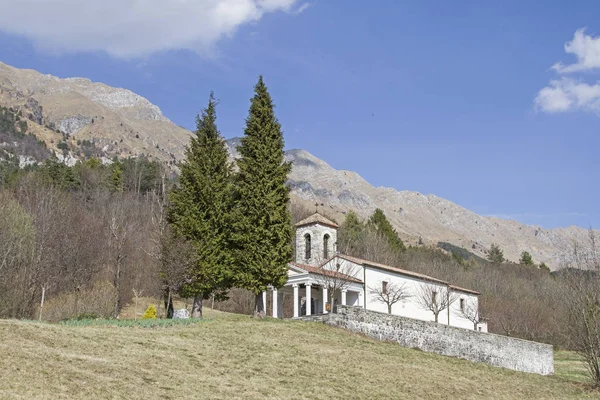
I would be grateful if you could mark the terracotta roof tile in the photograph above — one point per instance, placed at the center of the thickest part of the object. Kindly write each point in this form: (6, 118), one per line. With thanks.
(317, 218)
(404, 272)
(459, 289)
(325, 272)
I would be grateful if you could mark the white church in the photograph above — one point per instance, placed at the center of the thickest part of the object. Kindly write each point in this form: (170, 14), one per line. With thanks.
(321, 279)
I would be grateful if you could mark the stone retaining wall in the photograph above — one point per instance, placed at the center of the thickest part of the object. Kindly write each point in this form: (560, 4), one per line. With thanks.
(496, 350)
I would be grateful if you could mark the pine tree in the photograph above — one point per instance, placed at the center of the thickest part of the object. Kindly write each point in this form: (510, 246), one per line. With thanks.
(526, 259)
(382, 226)
(351, 233)
(116, 178)
(262, 223)
(200, 211)
(495, 255)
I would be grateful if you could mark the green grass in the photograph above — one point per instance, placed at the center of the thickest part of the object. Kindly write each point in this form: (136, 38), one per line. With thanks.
(235, 357)
(569, 366)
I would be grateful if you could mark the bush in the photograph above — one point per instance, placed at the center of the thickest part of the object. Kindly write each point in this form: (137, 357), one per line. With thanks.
(150, 312)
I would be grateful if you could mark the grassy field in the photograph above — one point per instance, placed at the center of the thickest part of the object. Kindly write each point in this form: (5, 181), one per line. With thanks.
(230, 356)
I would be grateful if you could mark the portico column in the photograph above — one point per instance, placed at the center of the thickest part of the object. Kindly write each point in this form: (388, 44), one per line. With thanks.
(264, 294)
(274, 303)
(308, 298)
(344, 291)
(296, 308)
(324, 299)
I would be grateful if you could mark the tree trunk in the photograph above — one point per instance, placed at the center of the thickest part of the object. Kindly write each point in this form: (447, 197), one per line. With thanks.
(197, 307)
(168, 299)
(42, 302)
(389, 308)
(259, 307)
(117, 285)
(436, 317)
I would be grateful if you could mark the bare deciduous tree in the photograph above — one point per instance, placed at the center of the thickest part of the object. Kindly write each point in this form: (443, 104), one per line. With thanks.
(470, 310)
(336, 278)
(583, 299)
(390, 293)
(435, 298)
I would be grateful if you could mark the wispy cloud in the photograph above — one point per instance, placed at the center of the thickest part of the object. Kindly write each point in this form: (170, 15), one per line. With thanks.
(129, 29)
(568, 93)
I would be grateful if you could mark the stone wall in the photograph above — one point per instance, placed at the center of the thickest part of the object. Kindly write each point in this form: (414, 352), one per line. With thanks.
(496, 350)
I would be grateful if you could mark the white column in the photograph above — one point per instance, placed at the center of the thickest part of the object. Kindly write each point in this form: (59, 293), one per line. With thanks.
(344, 291)
(264, 294)
(274, 303)
(361, 302)
(308, 305)
(296, 308)
(325, 300)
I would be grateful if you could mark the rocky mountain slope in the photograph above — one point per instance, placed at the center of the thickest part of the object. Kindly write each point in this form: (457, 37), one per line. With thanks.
(77, 118)
(429, 217)
(117, 121)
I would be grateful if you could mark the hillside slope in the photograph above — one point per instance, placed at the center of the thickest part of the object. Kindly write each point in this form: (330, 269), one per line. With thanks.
(235, 357)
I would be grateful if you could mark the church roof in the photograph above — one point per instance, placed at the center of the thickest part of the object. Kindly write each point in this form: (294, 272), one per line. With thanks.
(325, 272)
(362, 261)
(317, 218)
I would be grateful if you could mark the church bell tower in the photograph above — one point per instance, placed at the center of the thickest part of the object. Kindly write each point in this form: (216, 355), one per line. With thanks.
(316, 240)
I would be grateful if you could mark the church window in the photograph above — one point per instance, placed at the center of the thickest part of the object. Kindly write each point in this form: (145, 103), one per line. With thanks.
(307, 249)
(326, 247)
(462, 305)
(384, 287)
(434, 297)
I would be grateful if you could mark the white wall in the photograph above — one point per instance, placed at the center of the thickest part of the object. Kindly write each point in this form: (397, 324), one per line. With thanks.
(406, 308)
(410, 307)
(457, 318)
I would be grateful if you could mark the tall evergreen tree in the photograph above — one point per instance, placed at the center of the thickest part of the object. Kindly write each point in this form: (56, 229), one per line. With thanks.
(200, 210)
(495, 255)
(381, 224)
(262, 223)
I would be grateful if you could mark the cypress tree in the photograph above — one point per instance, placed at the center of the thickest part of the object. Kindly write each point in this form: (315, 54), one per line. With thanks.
(382, 226)
(199, 211)
(262, 224)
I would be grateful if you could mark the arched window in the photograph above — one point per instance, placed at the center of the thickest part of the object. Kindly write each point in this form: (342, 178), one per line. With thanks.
(326, 247)
(307, 249)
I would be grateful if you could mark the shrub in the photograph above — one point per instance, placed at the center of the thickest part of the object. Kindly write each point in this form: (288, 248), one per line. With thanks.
(150, 312)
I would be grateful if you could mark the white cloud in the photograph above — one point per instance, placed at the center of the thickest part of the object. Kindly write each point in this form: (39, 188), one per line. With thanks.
(133, 28)
(587, 50)
(567, 94)
(570, 94)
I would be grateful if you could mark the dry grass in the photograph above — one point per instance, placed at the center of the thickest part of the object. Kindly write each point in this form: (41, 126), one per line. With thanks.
(235, 357)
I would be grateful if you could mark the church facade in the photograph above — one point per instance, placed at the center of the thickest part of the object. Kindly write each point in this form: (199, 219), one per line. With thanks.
(321, 278)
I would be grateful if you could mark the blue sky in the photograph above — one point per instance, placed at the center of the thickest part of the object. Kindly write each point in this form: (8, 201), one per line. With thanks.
(462, 99)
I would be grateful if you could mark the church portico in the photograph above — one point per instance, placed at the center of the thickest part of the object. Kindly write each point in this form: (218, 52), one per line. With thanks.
(297, 290)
